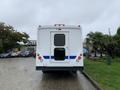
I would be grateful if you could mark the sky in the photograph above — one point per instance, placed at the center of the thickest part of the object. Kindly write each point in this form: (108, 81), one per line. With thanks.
(92, 15)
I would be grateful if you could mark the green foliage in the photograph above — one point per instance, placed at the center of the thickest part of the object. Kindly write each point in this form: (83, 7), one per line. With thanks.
(118, 31)
(10, 38)
(95, 40)
(104, 43)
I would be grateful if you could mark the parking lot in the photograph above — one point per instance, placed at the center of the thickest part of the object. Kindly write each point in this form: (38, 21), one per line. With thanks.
(20, 74)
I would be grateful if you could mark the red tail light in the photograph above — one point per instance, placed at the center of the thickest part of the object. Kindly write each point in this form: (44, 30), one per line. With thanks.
(79, 58)
(39, 57)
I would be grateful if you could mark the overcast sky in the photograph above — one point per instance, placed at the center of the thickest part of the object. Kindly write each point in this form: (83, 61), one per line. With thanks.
(92, 15)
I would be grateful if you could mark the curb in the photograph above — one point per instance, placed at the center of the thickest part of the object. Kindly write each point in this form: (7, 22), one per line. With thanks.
(94, 83)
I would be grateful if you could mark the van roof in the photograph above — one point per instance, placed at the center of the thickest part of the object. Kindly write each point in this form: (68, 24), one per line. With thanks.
(59, 26)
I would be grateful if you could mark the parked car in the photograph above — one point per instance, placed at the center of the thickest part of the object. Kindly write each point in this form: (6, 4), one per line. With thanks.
(5, 55)
(24, 54)
(32, 53)
(15, 54)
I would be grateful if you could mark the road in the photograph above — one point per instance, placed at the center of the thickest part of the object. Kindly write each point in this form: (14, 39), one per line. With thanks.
(20, 74)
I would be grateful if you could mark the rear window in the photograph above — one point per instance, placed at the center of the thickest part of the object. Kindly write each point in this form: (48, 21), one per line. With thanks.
(59, 40)
(59, 53)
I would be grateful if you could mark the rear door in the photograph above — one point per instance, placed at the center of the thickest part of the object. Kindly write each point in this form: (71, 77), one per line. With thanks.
(59, 46)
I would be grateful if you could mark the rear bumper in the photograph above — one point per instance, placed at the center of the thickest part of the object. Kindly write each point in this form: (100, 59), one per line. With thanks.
(60, 68)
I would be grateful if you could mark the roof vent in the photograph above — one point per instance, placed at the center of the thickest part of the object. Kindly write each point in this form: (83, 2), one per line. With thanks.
(59, 25)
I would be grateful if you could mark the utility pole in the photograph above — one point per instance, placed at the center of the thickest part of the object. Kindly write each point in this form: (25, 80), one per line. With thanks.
(109, 31)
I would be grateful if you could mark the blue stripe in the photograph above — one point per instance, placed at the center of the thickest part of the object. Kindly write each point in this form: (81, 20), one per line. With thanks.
(72, 57)
(66, 57)
(52, 57)
(46, 57)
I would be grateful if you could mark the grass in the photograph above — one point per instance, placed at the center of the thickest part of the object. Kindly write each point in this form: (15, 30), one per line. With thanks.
(108, 76)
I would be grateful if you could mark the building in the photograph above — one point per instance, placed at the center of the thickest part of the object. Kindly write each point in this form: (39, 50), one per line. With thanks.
(30, 45)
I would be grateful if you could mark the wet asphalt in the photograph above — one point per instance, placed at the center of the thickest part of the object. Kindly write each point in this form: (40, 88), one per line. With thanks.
(20, 74)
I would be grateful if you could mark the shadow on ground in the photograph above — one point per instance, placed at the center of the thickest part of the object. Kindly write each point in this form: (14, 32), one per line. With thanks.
(60, 81)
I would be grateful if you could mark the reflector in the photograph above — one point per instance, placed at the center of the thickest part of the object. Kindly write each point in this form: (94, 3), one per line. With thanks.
(79, 57)
(39, 57)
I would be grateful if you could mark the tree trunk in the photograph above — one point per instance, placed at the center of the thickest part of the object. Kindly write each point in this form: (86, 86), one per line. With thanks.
(95, 53)
(101, 53)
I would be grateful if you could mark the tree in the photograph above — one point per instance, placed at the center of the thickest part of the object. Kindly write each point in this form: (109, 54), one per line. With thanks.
(108, 44)
(10, 38)
(118, 31)
(117, 40)
(95, 40)
(103, 43)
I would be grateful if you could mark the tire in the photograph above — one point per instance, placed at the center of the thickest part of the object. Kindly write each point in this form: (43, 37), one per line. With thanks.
(44, 71)
(74, 71)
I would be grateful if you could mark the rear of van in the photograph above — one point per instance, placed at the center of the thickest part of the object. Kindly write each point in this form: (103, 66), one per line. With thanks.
(59, 48)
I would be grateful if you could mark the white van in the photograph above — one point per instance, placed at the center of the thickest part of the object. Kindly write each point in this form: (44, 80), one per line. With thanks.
(59, 47)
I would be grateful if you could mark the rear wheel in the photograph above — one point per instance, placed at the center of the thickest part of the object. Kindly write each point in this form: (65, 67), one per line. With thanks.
(44, 71)
(74, 71)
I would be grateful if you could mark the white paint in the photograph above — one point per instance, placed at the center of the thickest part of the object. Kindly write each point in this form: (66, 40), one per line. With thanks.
(73, 45)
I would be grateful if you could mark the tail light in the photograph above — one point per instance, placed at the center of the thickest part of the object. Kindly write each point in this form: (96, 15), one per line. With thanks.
(40, 58)
(79, 58)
